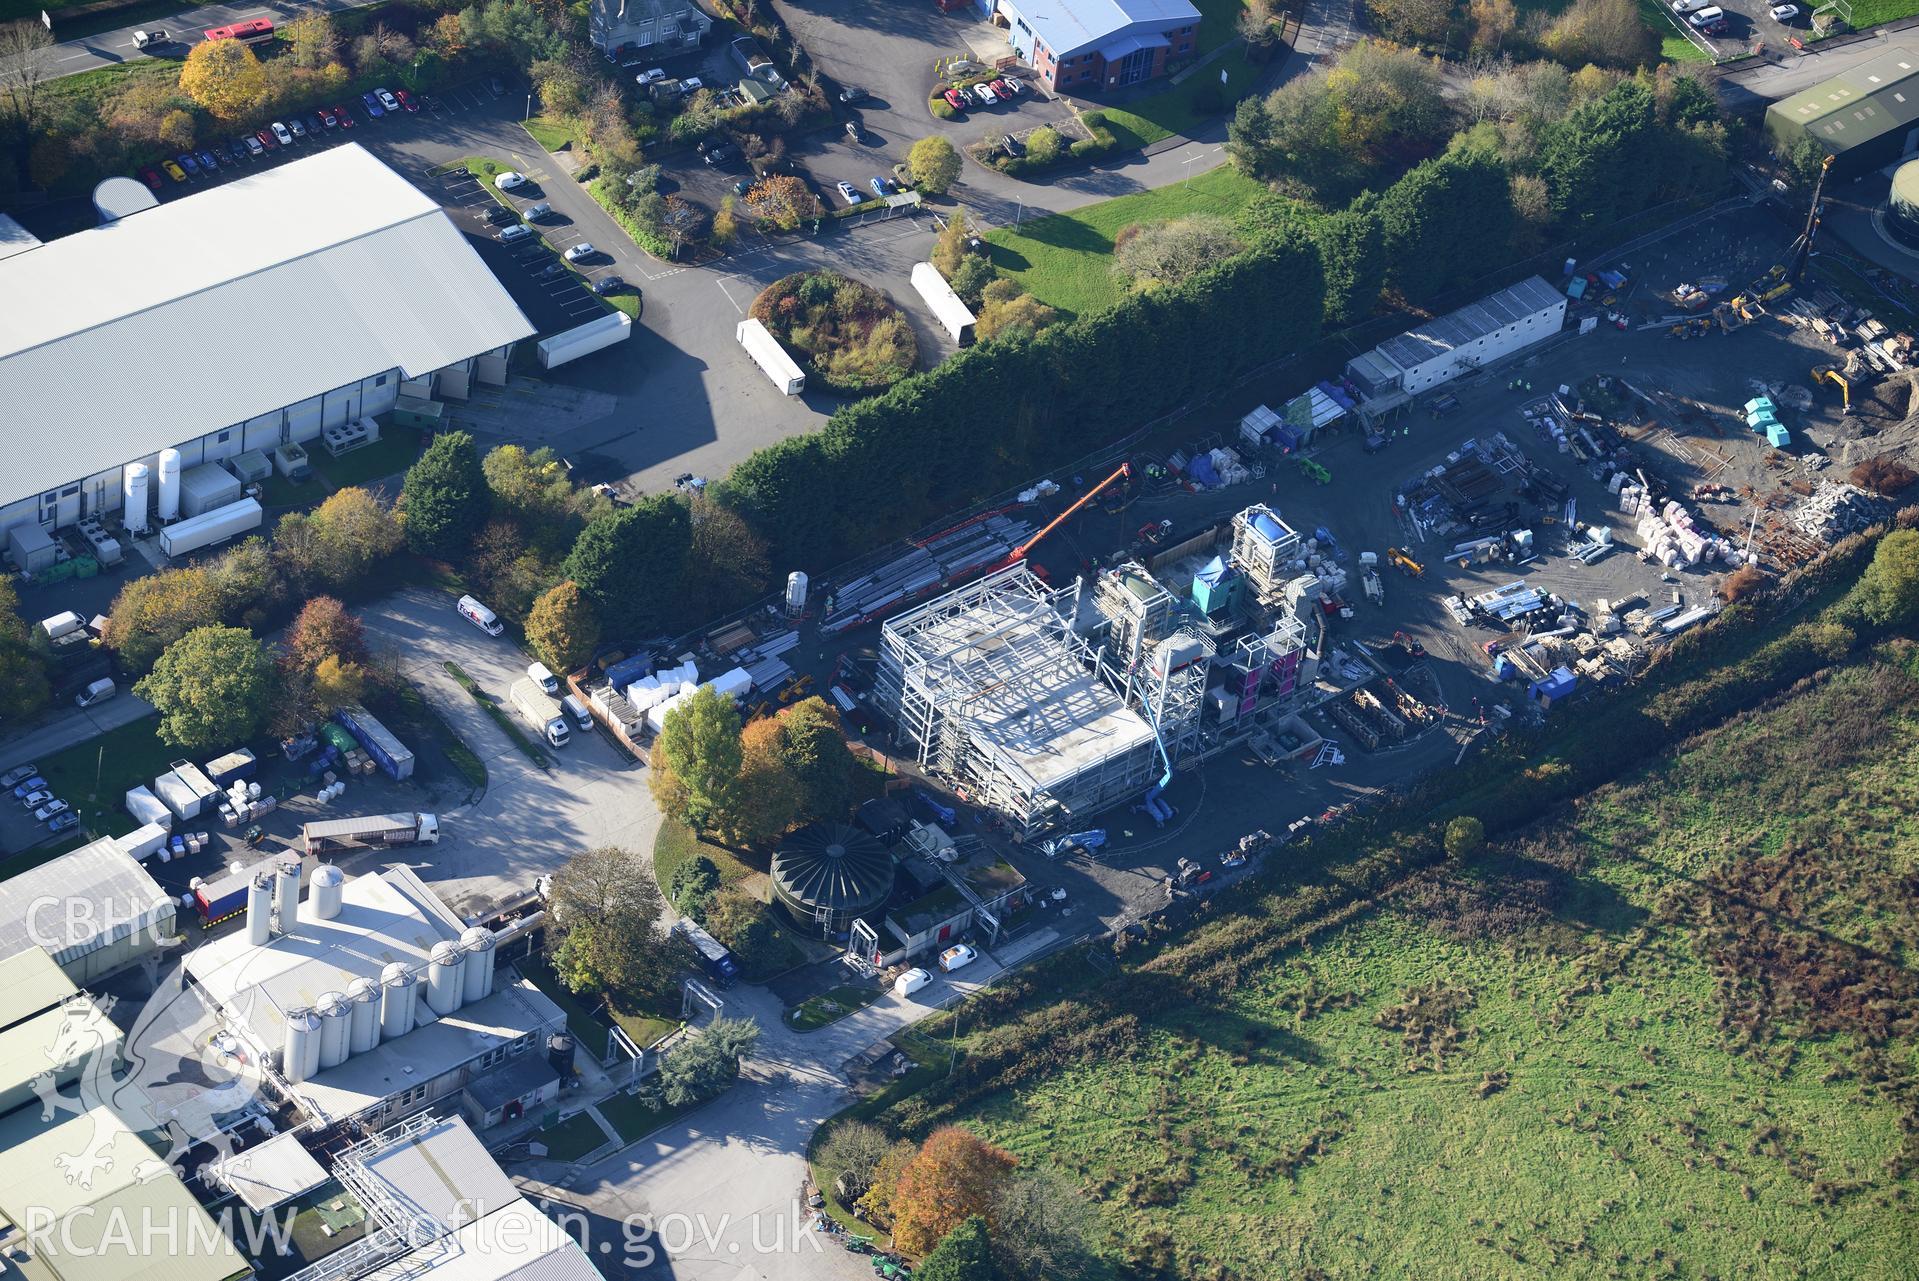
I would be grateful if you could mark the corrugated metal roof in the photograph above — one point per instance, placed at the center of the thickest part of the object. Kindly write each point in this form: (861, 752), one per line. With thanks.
(1471, 322)
(1068, 26)
(231, 303)
(82, 901)
(106, 1227)
(1856, 105)
(443, 1174)
(516, 1242)
(31, 981)
(273, 1173)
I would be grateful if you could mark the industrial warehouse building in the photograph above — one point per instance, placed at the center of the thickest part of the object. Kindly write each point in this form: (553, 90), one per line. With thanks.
(1441, 350)
(261, 312)
(1865, 118)
(95, 911)
(376, 1002)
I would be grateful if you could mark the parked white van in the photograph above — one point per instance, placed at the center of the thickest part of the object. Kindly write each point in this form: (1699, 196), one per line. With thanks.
(1683, 7)
(911, 982)
(543, 677)
(480, 616)
(577, 710)
(98, 692)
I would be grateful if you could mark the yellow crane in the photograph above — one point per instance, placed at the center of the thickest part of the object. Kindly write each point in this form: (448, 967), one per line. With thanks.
(1405, 562)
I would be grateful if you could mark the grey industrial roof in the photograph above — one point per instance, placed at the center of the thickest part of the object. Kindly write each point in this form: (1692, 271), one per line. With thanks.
(16, 239)
(513, 1243)
(442, 1174)
(1857, 105)
(31, 981)
(1067, 26)
(1470, 323)
(513, 1079)
(230, 303)
(84, 900)
(273, 1173)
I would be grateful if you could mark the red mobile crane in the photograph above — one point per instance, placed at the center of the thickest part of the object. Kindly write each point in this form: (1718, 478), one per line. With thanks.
(1019, 553)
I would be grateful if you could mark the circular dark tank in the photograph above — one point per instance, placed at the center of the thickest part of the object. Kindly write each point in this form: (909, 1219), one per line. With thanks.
(828, 874)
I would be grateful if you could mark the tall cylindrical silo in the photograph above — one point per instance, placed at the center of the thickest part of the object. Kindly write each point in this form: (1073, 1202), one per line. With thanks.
(169, 495)
(363, 994)
(301, 1057)
(260, 909)
(325, 892)
(445, 978)
(396, 1001)
(286, 892)
(477, 943)
(336, 1022)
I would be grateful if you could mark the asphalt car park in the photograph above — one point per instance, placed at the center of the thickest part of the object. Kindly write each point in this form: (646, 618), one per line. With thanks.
(551, 300)
(1746, 22)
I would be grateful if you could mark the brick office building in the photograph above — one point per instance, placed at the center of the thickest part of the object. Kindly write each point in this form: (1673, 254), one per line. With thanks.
(1084, 46)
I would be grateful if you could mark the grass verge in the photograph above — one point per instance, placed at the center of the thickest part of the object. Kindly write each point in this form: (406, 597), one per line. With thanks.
(553, 133)
(647, 1030)
(677, 843)
(634, 1120)
(587, 1030)
(1066, 260)
(1184, 107)
(528, 748)
(830, 1007)
(396, 450)
(425, 718)
(571, 1139)
(94, 777)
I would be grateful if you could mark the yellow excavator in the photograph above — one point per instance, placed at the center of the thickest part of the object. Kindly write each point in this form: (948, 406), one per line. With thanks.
(1827, 373)
(1405, 562)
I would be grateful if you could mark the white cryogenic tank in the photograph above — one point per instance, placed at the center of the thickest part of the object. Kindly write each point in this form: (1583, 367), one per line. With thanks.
(445, 977)
(396, 1001)
(169, 484)
(364, 996)
(133, 498)
(478, 945)
(796, 592)
(286, 893)
(336, 1021)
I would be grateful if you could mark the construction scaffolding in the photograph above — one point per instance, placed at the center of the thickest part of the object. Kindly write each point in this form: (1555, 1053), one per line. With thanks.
(993, 689)
(1266, 550)
(1137, 611)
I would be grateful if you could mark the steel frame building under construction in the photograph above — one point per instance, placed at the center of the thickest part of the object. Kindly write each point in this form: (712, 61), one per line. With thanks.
(993, 688)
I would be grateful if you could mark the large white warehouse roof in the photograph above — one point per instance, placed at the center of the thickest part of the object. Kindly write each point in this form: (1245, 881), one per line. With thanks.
(231, 303)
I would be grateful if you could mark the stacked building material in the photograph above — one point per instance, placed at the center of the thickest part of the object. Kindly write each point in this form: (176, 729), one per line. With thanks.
(940, 561)
(1835, 510)
(1672, 537)
(763, 661)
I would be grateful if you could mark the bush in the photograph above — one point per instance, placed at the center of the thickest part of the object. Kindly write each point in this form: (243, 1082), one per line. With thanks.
(850, 335)
(693, 886)
(1465, 837)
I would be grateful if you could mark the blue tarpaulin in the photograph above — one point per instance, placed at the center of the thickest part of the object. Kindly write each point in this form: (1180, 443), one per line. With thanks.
(1201, 470)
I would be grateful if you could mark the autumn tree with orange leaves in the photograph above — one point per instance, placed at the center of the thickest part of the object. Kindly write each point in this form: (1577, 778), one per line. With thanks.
(953, 1177)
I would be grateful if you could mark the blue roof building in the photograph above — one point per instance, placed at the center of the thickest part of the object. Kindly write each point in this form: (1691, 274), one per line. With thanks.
(1083, 46)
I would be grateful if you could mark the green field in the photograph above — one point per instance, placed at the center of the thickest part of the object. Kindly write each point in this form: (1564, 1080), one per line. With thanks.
(1065, 260)
(571, 1139)
(1870, 13)
(95, 776)
(1669, 1034)
(1176, 110)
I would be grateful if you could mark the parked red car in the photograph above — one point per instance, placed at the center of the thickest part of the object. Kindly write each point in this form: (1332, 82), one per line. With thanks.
(955, 100)
(267, 139)
(346, 117)
(406, 101)
(151, 177)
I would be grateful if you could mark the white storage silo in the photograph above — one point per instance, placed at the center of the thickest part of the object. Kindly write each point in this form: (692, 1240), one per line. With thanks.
(260, 909)
(796, 593)
(169, 496)
(301, 1057)
(396, 1001)
(364, 996)
(286, 892)
(133, 498)
(478, 945)
(445, 982)
(336, 1021)
(324, 893)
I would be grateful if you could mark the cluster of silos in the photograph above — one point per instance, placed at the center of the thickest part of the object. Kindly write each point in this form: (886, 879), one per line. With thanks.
(141, 489)
(340, 1025)
(826, 875)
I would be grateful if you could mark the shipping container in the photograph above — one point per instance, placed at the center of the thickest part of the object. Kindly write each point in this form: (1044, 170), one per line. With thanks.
(177, 796)
(212, 527)
(387, 751)
(235, 764)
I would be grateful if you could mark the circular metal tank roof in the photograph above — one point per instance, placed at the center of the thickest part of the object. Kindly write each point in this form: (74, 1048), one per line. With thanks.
(834, 866)
(328, 874)
(1902, 204)
(477, 939)
(115, 198)
(395, 975)
(445, 952)
(360, 989)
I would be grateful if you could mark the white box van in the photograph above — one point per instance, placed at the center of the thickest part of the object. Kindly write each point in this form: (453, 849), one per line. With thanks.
(98, 692)
(543, 677)
(1689, 6)
(577, 710)
(480, 616)
(911, 982)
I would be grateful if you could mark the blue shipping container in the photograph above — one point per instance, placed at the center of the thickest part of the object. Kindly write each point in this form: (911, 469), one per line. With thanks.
(628, 670)
(388, 752)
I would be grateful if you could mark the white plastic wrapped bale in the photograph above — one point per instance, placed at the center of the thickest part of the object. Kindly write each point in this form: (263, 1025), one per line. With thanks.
(734, 684)
(143, 841)
(146, 808)
(656, 714)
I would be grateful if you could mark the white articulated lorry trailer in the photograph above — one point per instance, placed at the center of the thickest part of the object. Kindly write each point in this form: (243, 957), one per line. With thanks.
(767, 353)
(540, 708)
(374, 831)
(211, 527)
